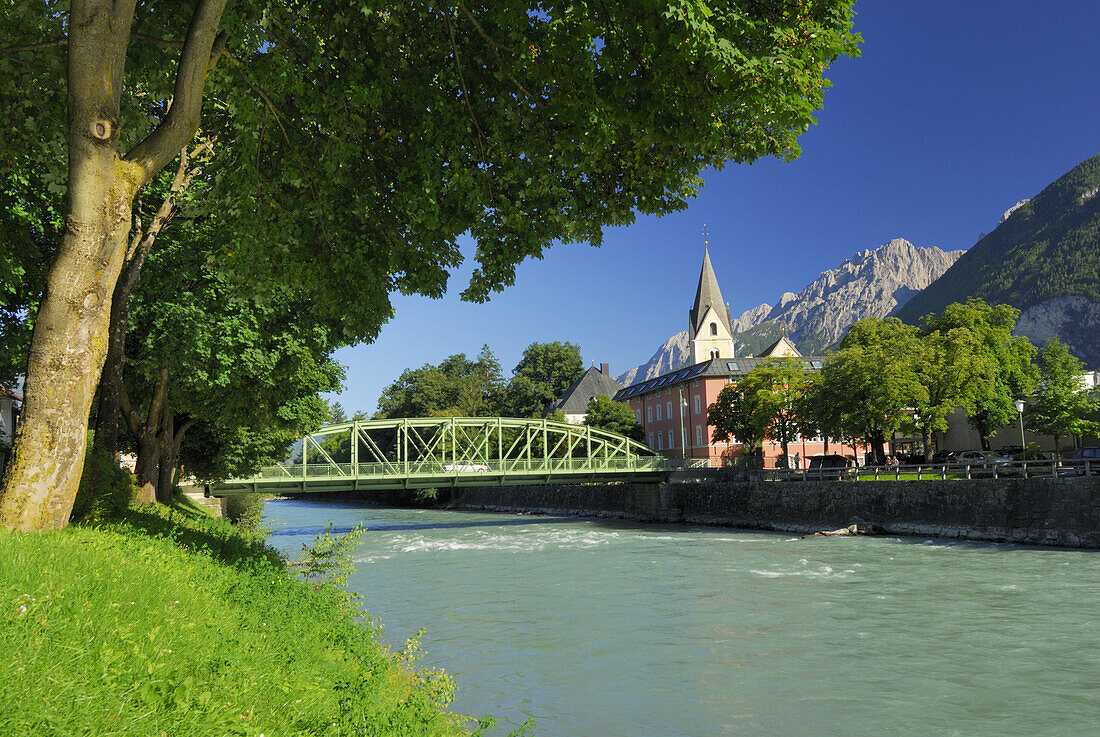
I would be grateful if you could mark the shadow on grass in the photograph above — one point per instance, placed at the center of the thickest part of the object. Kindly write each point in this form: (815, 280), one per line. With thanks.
(194, 530)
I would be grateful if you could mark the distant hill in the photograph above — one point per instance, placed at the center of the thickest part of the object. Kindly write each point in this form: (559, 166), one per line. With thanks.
(870, 284)
(1043, 258)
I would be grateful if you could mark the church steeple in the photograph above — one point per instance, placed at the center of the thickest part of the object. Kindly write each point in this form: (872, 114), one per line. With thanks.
(708, 295)
(710, 328)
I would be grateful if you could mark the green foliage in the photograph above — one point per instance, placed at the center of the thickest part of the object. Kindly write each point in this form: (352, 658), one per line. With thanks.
(617, 417)
(457, 387)
(163, 623)
(737, 417)
(543, 374)
(106, 489)
(981, 365)
(869, 385)
(246, 372)
(245, 511)
(1060, 406)
(328, 558)
(1047, 248)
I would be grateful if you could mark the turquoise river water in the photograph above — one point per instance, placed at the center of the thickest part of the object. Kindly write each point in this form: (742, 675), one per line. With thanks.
(597, 628)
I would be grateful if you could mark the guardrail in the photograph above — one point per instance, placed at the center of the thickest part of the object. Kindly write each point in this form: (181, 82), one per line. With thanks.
(945, 471)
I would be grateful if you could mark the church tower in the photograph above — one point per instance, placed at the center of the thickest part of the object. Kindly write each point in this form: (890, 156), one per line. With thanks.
(710, 333)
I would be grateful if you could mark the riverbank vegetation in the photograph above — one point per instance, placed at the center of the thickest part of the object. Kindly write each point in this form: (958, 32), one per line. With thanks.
(164, 620)
(887, 377)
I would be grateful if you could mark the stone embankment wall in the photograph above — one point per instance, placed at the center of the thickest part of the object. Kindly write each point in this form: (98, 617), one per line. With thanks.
(1054, 511)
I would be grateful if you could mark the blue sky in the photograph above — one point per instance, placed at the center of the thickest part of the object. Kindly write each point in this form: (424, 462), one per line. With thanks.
(955, 111)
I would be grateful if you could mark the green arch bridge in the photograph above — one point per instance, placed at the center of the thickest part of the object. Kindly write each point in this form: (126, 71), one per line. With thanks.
(453, 451)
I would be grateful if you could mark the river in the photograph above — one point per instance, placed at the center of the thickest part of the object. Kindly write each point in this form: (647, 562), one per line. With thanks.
(597, 628)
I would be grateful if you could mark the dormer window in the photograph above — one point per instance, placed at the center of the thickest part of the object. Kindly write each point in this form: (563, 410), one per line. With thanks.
(714, 328)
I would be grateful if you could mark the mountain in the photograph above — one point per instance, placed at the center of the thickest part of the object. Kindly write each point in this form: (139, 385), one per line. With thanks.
(1044, 259)
(870, 284)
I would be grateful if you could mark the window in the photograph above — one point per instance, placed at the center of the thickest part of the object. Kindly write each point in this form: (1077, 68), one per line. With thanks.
(649, 418)
(695, 383)
(671, 440)
(638, 416)
(732, 366)
(660, 441)
(714, 354)
(698, 435)
(668, 410)
(698, 404)
(651, 440)
(714, 328)
(658, 413)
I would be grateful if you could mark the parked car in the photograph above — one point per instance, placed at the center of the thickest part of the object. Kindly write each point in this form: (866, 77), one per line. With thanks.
(945, 456)
(1092, 455)
(985, 459)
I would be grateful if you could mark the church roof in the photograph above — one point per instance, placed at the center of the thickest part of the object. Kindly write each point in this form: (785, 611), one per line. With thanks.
(575, 399)
(708, 295)
(782, 347)
(726, 368)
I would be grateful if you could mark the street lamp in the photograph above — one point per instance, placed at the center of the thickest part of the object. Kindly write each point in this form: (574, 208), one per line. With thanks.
(683, 409)
(1020, 411)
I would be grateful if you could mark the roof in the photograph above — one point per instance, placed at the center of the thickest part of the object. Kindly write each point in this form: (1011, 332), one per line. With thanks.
(5, 392)
(727, 368)
(708, 295)
(575, 399)
(780, 348)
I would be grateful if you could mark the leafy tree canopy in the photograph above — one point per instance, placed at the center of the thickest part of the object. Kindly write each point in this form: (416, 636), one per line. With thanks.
(606, 414)
(456, 387)
(1060, 406)
(544, 372)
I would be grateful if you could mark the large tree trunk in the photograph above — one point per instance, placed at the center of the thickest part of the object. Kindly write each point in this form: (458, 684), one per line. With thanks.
(927, 437)
(166, 463)
(69, 341)
(70, 335)
(147, 435)
(110, 384)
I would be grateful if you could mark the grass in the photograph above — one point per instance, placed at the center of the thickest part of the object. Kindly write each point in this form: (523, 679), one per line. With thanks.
(170, 622)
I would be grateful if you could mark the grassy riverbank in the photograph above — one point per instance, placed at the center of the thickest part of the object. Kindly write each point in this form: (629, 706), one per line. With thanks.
(170, 622)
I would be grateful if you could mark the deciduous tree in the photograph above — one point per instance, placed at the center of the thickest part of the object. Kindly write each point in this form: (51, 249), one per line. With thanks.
(607, 414)
(1061, 406)
(357, 141)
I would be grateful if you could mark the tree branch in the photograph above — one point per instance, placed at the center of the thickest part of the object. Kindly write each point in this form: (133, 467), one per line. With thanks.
(200, 53)
(36, 47)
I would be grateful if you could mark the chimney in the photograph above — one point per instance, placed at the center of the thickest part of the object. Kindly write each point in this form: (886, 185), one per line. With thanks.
(605, 369)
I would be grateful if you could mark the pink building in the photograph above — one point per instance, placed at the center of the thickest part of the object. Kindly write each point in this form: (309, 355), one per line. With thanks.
(672, 408)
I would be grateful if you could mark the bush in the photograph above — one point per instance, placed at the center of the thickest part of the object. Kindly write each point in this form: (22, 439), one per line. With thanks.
(246, 511)
(106, 489)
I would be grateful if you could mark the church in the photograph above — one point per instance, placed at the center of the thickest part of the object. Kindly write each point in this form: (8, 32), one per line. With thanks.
(672, 408)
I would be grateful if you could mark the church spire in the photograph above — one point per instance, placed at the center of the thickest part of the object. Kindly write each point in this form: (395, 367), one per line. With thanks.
(708, 294)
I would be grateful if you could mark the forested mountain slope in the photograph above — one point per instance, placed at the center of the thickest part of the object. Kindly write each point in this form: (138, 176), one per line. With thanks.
(1044, 259)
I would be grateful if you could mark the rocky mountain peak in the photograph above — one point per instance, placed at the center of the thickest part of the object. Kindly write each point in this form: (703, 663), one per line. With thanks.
(872, 283)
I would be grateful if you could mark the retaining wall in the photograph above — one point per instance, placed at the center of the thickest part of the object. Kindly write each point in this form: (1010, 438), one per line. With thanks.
(1061, 512)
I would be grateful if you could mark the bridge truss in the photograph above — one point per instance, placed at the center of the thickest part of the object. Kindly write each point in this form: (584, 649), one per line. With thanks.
(452, 451)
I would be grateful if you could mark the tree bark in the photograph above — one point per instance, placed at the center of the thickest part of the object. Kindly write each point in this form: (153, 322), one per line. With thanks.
(165, 462)
(927, 438)
(146, 433)
(110, 384)
(69, 343)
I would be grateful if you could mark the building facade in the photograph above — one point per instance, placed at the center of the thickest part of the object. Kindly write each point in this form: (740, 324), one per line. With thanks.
(672, 408)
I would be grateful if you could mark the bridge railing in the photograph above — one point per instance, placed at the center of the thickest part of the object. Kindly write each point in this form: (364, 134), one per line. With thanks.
(497, 467)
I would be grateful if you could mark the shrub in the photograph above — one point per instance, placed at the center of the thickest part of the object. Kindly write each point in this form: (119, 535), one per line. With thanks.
(246, 511)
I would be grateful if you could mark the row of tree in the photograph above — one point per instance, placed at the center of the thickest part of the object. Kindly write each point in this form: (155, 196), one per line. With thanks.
(888, 376)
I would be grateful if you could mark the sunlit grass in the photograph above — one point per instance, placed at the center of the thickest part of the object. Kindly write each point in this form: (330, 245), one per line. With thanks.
(172, 623)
